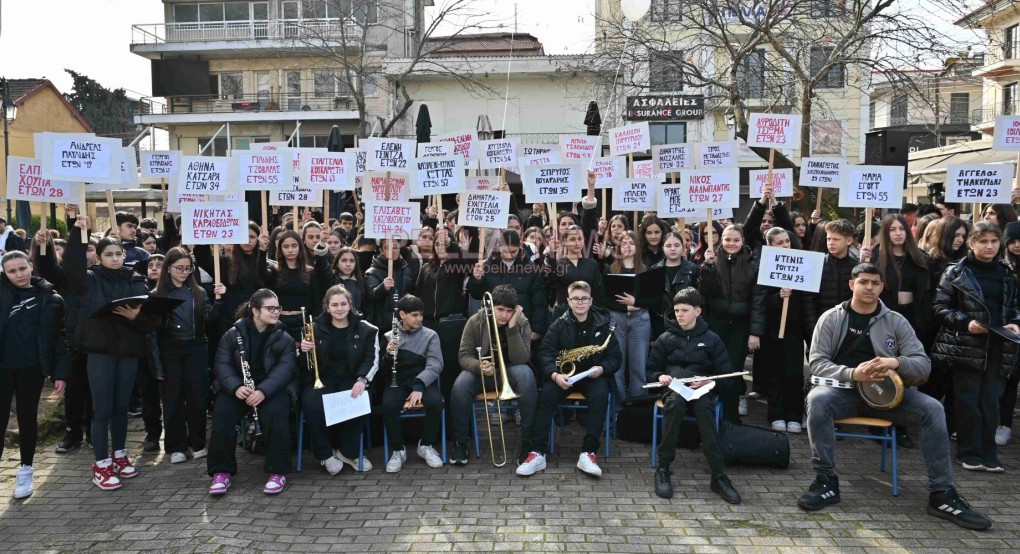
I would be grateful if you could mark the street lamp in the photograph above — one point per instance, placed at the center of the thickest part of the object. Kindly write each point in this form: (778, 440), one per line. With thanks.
(10, 114)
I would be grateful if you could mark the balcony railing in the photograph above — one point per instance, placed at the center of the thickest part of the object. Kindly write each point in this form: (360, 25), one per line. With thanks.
(987, 114)
(332, 30)
(253, 103)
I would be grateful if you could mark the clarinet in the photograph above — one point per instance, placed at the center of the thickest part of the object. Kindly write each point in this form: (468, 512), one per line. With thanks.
(250, 383)
(396, 336)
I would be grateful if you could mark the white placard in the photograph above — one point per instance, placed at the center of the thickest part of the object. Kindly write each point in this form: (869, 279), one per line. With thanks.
(769, 130)
(712, 155)
(608, 171)
(548, 158)
(320, 170)
(668, 158)
(373, 186)
(872, 186)
(464, 143)
(262, 169)
(204, 175)
(489, 209)
(634, 194)
(984, 183)
(214, 223)
(535, 149)
(553, 183)
(435, 149)
(160, 163)
(1007, 133)
(494, 154)
(81, 157)
(669, 201)
(176, 199)
(387, 154)
(25, 182)
(482, 182)
(295, 196)
(629, 138)
(396, 220)
(360, 160)
(821, 172)
(645, 170)
(791, 269)
(268, 146)
(782, 182)
(128, 169)
(574, 148)
(697, 215)
(711, 188)
(437, 175)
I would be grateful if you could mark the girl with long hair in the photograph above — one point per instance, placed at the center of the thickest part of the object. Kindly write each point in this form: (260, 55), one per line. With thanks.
(680, 274)
(905, 273)
(568, 267)
(631, 319)
(650, 237)
(291, 279)
(346, 271)
(703, 232)
(441, 282)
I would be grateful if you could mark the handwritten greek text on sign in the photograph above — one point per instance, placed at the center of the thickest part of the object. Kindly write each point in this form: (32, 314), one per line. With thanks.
(490, 209)
(782, 182)
(463, 143)
(204, 175)
(386, 154)
(669, 201)
(25, 182)
(391, 220)
(442, 175)
(360, 160)
(629, 138)
(577, 147)
(711, 188)
(791, 269)
(667, 158)
(552, 183)
(498, 153)
(646, 170)
(821, 172)
(713, 155)
(631, 194)
(295, 196)
(697, 215)
(547, 158)
(987, 183)
(326, 170)
(482, 183)
(533, 149)
(435, 149)
(263, 170)
(81, 157)
(773, 130)
(374, 185)
(214, 223)
(160, 163)
(608, 171)
(872, 186)
(1007, 133)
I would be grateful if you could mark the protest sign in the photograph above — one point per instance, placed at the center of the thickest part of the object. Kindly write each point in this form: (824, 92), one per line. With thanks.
(437, 175)
(387, 154)
(319, 170)
(645, 169)
(464, 143)
(489, 209)
(204, 175)
(176, 199)
(629, 139)
(214, 223)
(534, 149)
(633, 195)
(1007, 133)
(160, 163)
(667, 158)
(668, 201)
(575, 148)
(360, 160)
(374, 187)
(499, 153)
(872, 186)
(821, 172)
(710, 188)
(547, 158)
(295, 196)
(984, 183)
(396, 220)
(790, 269)
(553, 183)
(482, 182)
(782, 182)
(713, 155)
(260, 170)
(435, 149)
(81, 157)
(25, 182)
(608, 171)
(768, 130)
(268, 146)
(697, 215)
(128, 170)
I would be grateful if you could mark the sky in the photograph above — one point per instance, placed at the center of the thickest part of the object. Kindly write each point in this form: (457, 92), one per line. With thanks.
(40, 38)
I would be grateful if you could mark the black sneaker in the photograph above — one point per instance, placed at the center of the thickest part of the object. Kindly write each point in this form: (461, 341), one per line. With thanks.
(135, 411)
(721, 485)
(459, 456)
(151, 443)
(903, 440)
(663, 486)
(68, 443)
(823, 492)
(950, 506)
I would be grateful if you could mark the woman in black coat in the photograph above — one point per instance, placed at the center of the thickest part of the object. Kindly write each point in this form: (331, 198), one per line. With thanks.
(680, 274)
(441, 281)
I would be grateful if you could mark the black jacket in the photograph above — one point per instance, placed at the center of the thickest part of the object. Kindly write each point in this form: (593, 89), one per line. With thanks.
(731, 298)
(50, 341)
(561, 336)
(46, 266)
(753, 238)
(835, 288)
(957, 302)
(801, 316)
(694, 353)
(441, 287)
(688, 275)
(922, 316)
(379, 304)
(525, 277)
(362, 348)
(185, 323)
(280, 361)
(560, 273)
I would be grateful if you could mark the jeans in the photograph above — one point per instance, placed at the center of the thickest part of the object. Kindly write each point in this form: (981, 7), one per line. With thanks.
(27, 384)
(596, 393)
(976, 397)
(78, 398)
(185, 394)
(393, 404)
(672, 424)
(112, 378)
(315, 418)
(468, 384)
(633, 332)
(827, 404)
(274, 417)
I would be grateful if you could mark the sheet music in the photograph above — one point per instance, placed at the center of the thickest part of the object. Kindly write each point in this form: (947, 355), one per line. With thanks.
(578, 376)
(688, 393)
(339, 406)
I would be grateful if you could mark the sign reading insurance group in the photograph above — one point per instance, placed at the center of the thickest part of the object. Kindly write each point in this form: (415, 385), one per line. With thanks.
(668, 107)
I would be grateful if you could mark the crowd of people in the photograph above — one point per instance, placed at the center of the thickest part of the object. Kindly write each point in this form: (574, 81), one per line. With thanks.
(932, 296)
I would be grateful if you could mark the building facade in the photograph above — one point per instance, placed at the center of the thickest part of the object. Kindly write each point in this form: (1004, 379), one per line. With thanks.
(1000, 71)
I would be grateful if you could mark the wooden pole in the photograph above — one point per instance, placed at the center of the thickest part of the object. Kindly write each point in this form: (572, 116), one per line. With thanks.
(265, 211)
(82, 207)
(782, 320)
(710, 231)
(867, 227)
(216, 267)
(42, 225)
(768, 179)
(295, 223)
(389, 257)
(162, 188)
(111, 208)
(630, 171)
(604, 205)
(325, 209)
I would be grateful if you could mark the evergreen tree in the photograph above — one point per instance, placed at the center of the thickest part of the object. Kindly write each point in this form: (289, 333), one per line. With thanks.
(108, 111)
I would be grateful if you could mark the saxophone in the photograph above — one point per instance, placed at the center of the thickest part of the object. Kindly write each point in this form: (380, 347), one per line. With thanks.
(566, 359)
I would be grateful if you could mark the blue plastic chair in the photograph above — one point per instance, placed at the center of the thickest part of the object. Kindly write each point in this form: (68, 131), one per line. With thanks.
(579, 396)
(887, 440)
(361, 443)
(659, 413)
(476, 409)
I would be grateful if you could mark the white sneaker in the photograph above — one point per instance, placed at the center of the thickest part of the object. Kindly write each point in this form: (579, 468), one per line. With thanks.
(534, 463)
(429, 454)
(1002, 435)
(779, 425)
(396, 462)
(332, 465)
(587, 463)
(199, 454)
(794, 427)
(753, 395)
(178, 457)
(742, 406)
(365, 464)
(23, 482)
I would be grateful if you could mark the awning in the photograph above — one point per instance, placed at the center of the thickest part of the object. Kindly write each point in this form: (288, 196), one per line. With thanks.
(929, 166)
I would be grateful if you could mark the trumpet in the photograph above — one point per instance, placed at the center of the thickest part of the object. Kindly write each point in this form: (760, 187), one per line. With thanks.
(311, 358)
(499, 365)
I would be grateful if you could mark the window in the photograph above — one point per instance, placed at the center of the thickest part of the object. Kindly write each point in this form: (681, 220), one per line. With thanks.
(667, 133)
(835, 76)
(1011, 42)
(231, 86)
(210, 12)
(186, 13)
(293, 90)
(751, 75)
(237, 11)
(665, 72)
(218, 147)
(313, 141)
(828, 8)
(363, 11)
(1009, 98)
(959, 107)
(666, 11)
(320, 9)
(871, 115)
(898, 110)
(325, 83)
(371, 87)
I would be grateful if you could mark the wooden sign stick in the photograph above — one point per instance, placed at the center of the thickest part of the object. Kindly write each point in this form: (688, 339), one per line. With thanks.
(782, 320)
(867, 227)
(42, 225)
(710, 231)
(111, 208)
(325, 209)
(297, 219)
(604, 205)
(265, 210)
(389, 251)
(216, 267)
(162, 188)
(768, 179)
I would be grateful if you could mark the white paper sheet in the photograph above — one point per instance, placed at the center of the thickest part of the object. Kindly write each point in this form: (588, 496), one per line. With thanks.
(339, 406)
(688, 393)
(578, 376)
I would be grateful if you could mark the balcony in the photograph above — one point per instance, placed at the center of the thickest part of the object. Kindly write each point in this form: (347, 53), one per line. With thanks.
(264, 107)
(231, 37)
(983, 119)
(1006, 66)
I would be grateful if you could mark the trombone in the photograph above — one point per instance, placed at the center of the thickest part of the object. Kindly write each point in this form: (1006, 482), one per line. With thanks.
(499, 365)
(311, 359)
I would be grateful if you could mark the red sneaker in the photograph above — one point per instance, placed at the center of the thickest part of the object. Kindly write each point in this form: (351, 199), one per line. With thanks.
(103, 476)
(122, 465)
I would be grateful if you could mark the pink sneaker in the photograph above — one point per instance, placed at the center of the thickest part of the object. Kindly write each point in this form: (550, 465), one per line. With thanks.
(123, 466)
(275, 484)
(220, 484)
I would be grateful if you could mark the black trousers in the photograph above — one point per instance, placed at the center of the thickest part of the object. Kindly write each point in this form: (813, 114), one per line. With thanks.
(185, 394)
(596, 393)
(393, 403)
(322, 437)
(782, 372)
(672, 423)
(27, 384)
(147, 393)
(78, 398)
(1008, 404)
(734, 335)
(976, 396)
(274, 416)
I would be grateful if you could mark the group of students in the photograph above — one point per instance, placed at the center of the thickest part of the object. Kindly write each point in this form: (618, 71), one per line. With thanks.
(921, 300)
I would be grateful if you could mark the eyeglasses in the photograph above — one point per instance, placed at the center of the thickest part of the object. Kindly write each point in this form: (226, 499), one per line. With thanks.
(272, 309)
(185, 270)
(580, 299)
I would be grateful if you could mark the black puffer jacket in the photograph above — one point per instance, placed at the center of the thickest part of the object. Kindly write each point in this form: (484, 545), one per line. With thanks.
(688, 274)
(362, 349)
(835, 288)
(280, 361)
(800, 314)
(441, 286)
(563, 333)
(753, 237)
(46, 266)
(378, 307)
(525, 277)
(921, 318)
(731, 297)
(680, 353)
(50, 341)
(958, 301)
